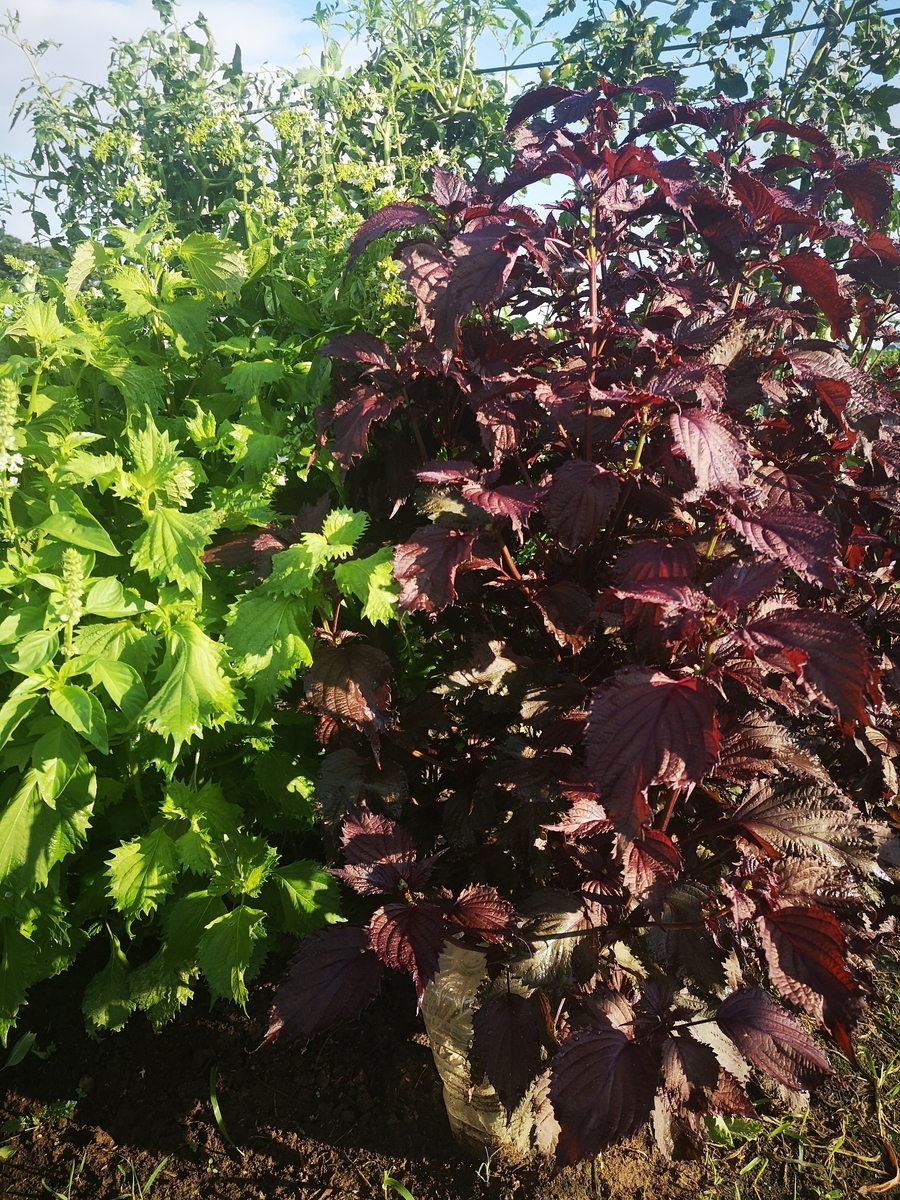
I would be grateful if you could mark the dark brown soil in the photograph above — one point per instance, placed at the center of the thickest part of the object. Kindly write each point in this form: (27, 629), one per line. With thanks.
(329, 1120)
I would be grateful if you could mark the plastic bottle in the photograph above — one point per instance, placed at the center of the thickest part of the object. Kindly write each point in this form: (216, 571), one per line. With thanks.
(477, 1118)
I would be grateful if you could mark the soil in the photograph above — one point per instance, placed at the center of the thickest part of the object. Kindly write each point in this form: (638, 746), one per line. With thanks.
(95, 1118)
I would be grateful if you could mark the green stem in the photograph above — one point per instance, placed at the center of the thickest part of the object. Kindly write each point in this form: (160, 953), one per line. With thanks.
(135, 770)
(35, 383)
(10, 522)
(641, 442)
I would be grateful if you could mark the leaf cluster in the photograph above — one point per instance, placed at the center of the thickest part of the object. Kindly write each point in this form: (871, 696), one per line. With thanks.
(642, 460)
(831, 66)
(168, 559)
(199, 144)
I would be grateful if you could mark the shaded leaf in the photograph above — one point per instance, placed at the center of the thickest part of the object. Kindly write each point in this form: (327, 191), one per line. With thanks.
(349, 683)
(534, 102)
(689, 1068)
(369, 838)
(684, 950)
(577, 106)
(825, 650)
(661, 86)
(346, 778)
(602, 1086)
(400, 215)
(806, 132)
(783, 489)
(795, 818)
(353, 416)
(360, 347)
(385, 879)
(652, 864)
(805, 948)
(817, 278)
(379, 855)
(426, 566)
(581, 497)
(651, 561)
(508, 1041)
(718, 459)
(772, 1040)
(821, 363)
(742, 583)
(869, 192)
(803, 541)
(645, 727)
(409, 937)
(630, 160)
(567, 611)
(107, 1002)
(331, 978)
(475, 279)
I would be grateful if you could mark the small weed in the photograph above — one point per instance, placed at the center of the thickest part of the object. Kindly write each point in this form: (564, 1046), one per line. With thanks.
(136, 1189)
(389, 1184)
(56, 1113)
(74, 1175)
(732, 1131)
(47, 1117)
(484, 1171)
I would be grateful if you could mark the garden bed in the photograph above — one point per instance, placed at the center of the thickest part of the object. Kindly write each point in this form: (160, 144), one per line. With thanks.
(100, 1116)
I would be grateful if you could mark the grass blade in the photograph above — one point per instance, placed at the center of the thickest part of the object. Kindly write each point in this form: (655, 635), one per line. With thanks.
(217, 1111)
(390, 1184)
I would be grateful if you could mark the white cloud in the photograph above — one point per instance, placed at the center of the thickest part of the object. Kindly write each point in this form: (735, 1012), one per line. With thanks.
(268, 31)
